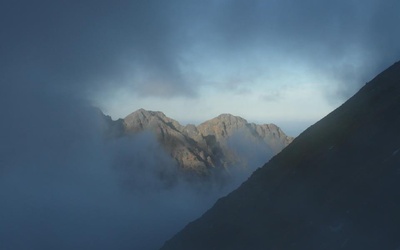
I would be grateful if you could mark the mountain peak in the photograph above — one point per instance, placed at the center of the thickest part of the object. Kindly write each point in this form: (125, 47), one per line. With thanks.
(228, 118)
(206, 145)
(146, 113)
(143, 119)
(223, 125)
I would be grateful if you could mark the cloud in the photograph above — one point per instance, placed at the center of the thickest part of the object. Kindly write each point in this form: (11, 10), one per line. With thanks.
(89, 45)
(271, 96)
(348, 41)
(152, 48)
(62, 186)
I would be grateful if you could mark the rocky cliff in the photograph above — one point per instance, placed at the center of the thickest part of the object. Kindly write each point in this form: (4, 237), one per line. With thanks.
(208, 145)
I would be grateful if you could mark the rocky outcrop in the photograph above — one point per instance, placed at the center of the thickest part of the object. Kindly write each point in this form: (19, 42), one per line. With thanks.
(170, 134)
(209, 145)
(225, 126)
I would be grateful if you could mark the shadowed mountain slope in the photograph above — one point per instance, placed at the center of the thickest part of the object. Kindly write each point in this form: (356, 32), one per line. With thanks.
(336, 186)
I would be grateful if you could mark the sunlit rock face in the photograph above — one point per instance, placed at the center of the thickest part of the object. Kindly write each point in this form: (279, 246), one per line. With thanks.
(336, 186)
(226, 126)
(212, 144)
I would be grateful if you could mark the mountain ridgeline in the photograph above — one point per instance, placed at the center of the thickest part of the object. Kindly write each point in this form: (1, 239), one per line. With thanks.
(336, 186)
(212, 144)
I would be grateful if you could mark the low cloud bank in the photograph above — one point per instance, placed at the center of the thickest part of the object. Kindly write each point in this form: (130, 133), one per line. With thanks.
(63, 186)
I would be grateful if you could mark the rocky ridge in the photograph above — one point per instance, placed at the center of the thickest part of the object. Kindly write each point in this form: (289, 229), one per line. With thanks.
(208, 145)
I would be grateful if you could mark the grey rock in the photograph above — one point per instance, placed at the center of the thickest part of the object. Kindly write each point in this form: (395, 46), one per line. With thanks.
(207, 146)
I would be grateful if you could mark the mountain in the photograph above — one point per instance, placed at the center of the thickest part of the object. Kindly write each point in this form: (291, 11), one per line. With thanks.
(336, 186)
(207, 146)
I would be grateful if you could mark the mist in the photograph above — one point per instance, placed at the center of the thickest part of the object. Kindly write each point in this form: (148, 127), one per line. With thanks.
(63, 185)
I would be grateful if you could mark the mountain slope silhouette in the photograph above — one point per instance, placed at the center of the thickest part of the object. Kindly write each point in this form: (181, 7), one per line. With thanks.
(336, 186)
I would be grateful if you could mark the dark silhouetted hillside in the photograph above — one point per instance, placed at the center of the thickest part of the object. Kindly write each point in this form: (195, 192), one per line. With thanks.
(336, 186)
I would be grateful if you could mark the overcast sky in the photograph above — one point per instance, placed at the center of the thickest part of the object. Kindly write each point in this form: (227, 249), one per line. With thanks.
(63, 187)
(287, 62)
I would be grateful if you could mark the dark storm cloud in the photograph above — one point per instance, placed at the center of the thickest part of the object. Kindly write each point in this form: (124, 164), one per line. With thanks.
(347, 40)
(149, 47)
(85, 44)
(60, 184)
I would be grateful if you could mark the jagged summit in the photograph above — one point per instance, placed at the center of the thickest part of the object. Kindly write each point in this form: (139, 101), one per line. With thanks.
(207, 145)
(336, 186)
(148, 119)
(229, 118)
(146, 114)
(222, 125)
